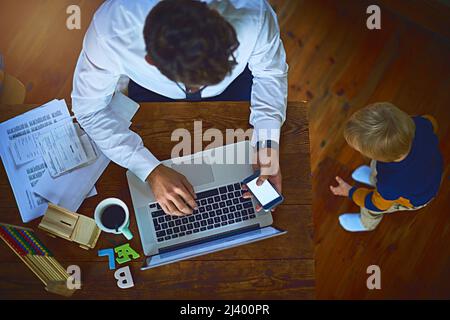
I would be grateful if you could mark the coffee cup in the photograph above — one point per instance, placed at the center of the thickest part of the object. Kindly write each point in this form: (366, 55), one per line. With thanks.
(112, 215)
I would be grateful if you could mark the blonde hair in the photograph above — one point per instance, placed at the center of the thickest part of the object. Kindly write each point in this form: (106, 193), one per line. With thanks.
(380, 131)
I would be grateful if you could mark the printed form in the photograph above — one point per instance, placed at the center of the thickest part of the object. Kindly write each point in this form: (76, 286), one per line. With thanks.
(62, 149)
(19, 153)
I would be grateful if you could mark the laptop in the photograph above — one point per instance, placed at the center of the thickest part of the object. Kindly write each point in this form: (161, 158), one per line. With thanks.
(224, 219)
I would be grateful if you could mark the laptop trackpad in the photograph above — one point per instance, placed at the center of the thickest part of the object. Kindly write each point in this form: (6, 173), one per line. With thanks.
(197, 174)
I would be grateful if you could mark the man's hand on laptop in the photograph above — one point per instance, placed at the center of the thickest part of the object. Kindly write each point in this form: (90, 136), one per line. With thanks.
(267, 162)
(172, 190)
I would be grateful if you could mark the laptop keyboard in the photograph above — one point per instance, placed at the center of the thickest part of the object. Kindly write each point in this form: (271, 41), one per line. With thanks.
(216, 208)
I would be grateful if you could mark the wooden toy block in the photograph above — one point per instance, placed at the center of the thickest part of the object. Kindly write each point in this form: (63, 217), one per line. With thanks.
(71, 226)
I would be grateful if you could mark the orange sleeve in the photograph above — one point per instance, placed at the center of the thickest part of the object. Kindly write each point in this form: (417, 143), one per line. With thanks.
(359, 196)
(376, 201)
(433, 122)
(381, 203)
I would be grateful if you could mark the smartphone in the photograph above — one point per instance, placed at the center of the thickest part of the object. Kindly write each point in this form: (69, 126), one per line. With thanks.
(267, 196)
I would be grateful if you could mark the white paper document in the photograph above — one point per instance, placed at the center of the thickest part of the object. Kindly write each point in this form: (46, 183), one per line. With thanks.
(24, 149)
(25, 168)
(62, 148)
(49, 127)
(70, 190)
(92, 193)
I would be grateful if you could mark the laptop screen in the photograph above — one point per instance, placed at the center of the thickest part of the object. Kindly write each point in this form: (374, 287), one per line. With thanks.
(212, 246)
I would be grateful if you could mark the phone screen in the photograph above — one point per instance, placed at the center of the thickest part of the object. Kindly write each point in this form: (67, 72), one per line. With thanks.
(265, 193)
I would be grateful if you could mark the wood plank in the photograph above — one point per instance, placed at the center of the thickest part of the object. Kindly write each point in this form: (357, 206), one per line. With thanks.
(430, 14)
(38, 48)
(236, 279)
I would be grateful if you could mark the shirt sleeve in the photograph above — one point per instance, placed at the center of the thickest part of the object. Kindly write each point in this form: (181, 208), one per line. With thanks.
(269, 69)
(433, 121)
(96, 75)
(370, 199)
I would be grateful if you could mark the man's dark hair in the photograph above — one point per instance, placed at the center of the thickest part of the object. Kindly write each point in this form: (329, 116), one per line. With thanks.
(189, 42)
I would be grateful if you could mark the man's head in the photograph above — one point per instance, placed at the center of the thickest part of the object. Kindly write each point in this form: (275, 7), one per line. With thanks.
(380, 131)
(189, 42)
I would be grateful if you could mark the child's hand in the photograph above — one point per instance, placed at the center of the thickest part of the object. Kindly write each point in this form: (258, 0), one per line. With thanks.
(342, 189)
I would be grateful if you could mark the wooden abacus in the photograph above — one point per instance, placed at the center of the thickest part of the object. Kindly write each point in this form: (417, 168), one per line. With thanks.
(37, 258)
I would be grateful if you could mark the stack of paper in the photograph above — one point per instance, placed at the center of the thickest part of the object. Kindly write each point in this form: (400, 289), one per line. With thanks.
(31, 181)
(63, 149)
(18, 135)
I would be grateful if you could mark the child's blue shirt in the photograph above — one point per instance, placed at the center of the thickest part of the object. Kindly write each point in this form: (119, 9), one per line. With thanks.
(412, 182)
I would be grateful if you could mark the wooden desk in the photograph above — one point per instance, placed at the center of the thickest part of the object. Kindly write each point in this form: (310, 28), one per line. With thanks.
(278, 268)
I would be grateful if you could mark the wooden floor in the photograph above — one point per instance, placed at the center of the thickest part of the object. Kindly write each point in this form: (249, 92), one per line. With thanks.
(339, 66)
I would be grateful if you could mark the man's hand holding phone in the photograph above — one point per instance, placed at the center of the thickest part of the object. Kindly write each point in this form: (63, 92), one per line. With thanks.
(267, 164)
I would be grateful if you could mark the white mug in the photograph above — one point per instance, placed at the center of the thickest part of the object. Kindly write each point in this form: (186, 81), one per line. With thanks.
(124, 228)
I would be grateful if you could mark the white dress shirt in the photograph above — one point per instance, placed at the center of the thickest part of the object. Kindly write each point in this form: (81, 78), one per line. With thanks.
(114, 45)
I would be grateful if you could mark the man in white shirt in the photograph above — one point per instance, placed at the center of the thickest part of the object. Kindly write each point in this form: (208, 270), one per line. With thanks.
(181, 50)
